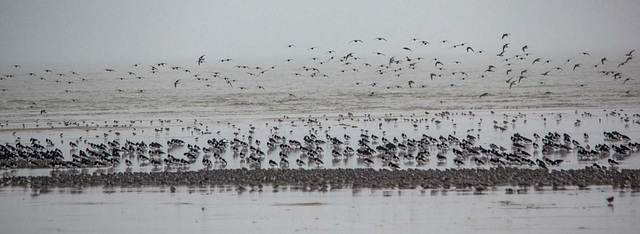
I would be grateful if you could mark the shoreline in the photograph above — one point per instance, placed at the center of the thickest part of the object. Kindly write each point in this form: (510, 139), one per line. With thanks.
(235, 118)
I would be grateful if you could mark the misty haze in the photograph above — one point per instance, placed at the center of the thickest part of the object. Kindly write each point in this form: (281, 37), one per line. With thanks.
(319, 116)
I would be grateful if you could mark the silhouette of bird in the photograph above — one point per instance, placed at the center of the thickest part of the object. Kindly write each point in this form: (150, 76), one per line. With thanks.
(504, 35)
(610, 200)
(406, 48)
(630, 53)
(482, 95)
(576, 66)
(525, 48)
(356, 41)
(175, 84)
(201, 59)
(536, 60)
(469, 48)
(380, 39)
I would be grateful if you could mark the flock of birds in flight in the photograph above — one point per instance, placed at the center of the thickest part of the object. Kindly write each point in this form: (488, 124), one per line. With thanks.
(517, 65)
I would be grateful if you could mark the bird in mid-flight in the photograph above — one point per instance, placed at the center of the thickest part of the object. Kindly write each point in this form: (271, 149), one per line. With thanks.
(201, 59)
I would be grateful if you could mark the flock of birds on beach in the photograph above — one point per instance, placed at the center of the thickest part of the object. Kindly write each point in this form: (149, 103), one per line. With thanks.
(517, 64)
(279, 151)
(405, 65)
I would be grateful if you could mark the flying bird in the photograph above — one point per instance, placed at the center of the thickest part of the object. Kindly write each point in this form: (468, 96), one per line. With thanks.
(175, 84)
(356, 41)
(505, 46)
(391, 60)
(201, 59)
(536, 60)
(469, 48)
(505, 35)
(484, 94)
(432, 75)
(630, 53)
(380, 39)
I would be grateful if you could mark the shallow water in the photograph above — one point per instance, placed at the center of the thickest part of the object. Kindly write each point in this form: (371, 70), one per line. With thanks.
(458, 123)
(109, 210)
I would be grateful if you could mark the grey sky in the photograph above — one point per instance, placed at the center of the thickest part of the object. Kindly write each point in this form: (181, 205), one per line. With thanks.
(68, 33)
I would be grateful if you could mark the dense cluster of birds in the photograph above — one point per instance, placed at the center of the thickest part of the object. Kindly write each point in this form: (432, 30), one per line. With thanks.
(515, 65)
(368, 149)
(323, 180)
